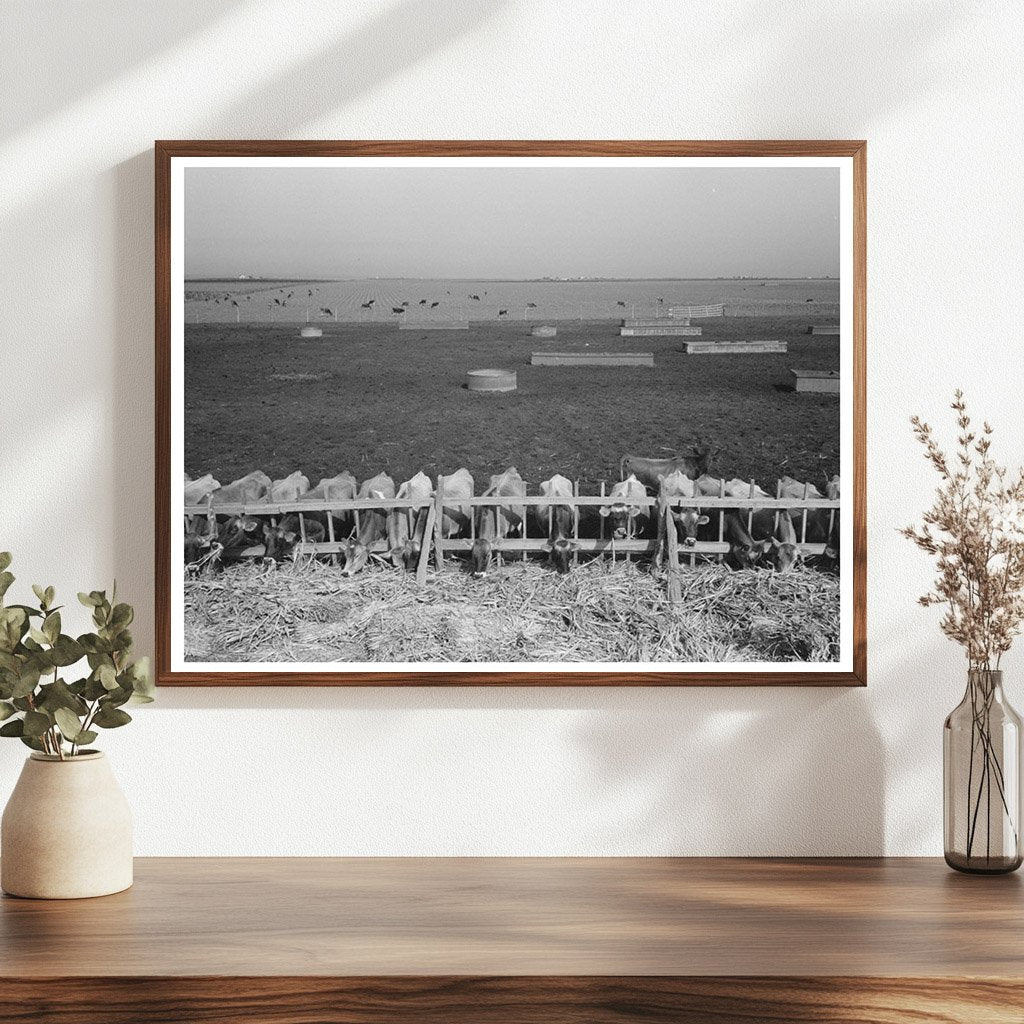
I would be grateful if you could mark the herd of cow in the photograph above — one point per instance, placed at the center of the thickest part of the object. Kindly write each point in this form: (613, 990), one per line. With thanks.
(763, 537)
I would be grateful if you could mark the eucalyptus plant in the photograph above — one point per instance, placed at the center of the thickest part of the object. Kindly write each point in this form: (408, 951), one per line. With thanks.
(37, 703)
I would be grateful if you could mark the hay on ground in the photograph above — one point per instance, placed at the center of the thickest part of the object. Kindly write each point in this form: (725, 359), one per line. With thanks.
(600, 612)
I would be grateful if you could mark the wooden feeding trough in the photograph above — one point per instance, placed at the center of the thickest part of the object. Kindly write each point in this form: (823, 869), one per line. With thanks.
(822, 381)
(823, 329)
(491, 380)
(433, 325)
(592, 359)
(311, 332)
(543, 331)
(657, 327)
(708, 348)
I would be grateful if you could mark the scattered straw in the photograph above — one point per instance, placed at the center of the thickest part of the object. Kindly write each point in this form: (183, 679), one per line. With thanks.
(600, 612)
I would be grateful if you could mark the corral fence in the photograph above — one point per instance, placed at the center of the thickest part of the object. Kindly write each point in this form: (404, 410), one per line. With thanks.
(441, 504)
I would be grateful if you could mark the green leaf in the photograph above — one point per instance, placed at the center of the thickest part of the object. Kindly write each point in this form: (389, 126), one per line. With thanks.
(28, 680)
(107, 676)
(5, 560)
(51, 626)
(89, 600)
(86, 736)
(6, 710)
(50, 595)
(67, 651)
(31, 741)
(36, 723)
(6, 579)
(94, 644)
(59, 695)
(40, 593)
(122, 615)
(38, 635)
(110, 717)
(69, 724)
(13, 625)
(13, 728)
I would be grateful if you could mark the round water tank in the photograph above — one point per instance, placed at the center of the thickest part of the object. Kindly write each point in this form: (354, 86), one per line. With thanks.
(491, 380)
(311, 332)
(544, 331)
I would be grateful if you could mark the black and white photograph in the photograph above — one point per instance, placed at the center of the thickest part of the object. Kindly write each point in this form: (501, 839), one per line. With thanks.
(508, 414)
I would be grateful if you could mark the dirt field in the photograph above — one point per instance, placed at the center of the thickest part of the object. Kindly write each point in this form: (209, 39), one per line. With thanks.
(367, 397)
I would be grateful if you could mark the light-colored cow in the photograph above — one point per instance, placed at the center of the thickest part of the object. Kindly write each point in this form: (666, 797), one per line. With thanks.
(556, 519)
(289, 488)
(494, 522)
(405, 545)
(372, 523)
(626, 518)
(456, 518)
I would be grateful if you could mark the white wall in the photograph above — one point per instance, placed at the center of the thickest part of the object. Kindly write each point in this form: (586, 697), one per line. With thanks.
(936, 89)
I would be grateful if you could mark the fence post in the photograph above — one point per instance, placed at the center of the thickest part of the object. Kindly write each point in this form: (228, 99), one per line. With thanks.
(576, 524)
(750, 511)
(721, 519)
(330, 534)
(674, 590)
(428, 532)
(439, 524)
(803, 529)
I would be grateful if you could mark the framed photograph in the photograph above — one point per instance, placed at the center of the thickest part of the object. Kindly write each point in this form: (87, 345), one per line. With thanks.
(510, 413)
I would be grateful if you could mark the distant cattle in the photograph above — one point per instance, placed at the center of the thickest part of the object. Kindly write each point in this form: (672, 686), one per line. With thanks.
(647, 471)
(367, 305)
(686, 519)
(502, 312)
(406, 545)
(372, 523)
(397, 309)
(197, 491)
(626, 518)
(253, 487)
(557, 519)
(290, 488)
(497, 522)
(434, 305)
(456, 518)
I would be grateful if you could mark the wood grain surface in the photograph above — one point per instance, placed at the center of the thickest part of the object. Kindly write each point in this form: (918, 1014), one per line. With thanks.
(166, 150)
(505, 940)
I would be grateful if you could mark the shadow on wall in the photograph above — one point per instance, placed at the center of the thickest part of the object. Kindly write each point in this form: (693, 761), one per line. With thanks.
(327, 81)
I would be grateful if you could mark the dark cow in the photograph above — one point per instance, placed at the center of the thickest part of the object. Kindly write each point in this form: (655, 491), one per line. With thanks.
(648, 471)
(784, 552)
(397, 309)
(280, 540)
(201, 543)
(502, 312)
(434, 305)
(686, 518)
(495, 522)
(557, 519)
(744, 551)
(372, 523)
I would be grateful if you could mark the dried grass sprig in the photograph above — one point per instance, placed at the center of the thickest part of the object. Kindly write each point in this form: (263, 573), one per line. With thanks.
(975, 531)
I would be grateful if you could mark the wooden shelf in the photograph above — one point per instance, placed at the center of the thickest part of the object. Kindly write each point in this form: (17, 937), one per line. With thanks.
(577, 941)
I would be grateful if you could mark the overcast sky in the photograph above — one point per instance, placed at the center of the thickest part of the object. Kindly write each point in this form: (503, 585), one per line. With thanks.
(511, 222)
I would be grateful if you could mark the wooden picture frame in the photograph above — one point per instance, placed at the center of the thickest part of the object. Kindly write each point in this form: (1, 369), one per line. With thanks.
(851, 671)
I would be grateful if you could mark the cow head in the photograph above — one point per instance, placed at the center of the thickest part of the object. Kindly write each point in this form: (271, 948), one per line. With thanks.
(561, 551)
(626, 520)
(748, 556)
(406, 555)
(280, 541)
(784, 554)
(687, 521)
(480, 558)
(241, 532)
(200, 541)
(356, 557)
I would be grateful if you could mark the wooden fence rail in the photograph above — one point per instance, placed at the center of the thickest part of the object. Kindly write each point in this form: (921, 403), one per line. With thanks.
(524, 543)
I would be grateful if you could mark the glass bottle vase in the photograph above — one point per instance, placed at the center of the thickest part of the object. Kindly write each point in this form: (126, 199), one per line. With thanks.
(981, 771)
